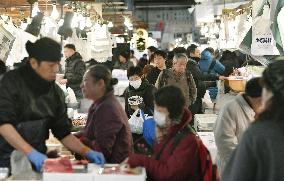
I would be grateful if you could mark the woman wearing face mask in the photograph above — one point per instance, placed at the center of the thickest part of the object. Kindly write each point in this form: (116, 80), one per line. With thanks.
(139, 86)
(259, 156)
(170, 161)
(107, 129)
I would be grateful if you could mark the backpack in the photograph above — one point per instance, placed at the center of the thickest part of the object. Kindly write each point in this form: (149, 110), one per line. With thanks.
(208, 170)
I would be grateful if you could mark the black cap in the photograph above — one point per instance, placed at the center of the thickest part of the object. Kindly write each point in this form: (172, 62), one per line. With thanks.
(44, 49)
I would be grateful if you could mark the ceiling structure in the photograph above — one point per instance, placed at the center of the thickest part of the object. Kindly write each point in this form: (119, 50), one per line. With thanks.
(113, 10)
(166, 4)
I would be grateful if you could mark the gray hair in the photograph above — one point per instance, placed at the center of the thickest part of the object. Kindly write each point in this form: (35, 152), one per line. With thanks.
(179, 56)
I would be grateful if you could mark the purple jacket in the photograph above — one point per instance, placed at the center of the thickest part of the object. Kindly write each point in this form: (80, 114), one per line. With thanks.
(107, 129)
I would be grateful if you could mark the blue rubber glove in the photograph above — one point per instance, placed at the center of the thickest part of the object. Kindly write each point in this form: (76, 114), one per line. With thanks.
(95, 157)
(37, 159)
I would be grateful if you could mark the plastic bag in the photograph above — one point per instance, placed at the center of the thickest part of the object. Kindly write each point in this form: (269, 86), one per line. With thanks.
(22, 168)
(149, 129)
(136, 123)
(71, 96)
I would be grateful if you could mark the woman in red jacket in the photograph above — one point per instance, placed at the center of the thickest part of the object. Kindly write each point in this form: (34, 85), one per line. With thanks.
(172, 160)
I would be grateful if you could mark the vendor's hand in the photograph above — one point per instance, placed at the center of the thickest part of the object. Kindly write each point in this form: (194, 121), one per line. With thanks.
(124, 167)
(63, 81)
(125, 161)
(134, 107)
(37, 159)
(95, 157)
(222, 77)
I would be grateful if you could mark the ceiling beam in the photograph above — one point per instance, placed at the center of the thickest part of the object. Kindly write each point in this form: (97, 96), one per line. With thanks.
(117, 13)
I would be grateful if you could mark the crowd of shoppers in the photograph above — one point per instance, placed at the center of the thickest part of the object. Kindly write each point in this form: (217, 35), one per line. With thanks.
(248, 131)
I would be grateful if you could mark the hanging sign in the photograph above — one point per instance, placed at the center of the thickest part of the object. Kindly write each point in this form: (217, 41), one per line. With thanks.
(6, 43)
(263, 42)
(141, 40)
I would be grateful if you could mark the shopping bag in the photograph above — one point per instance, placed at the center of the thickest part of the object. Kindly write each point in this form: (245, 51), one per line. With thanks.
(136, 123)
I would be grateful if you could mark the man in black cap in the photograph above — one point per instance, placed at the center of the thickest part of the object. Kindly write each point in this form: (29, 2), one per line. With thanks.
(31, 104)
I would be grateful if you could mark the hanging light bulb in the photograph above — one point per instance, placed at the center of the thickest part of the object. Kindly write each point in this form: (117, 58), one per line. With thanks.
(35, 9)
(110, 24)
(54, 13)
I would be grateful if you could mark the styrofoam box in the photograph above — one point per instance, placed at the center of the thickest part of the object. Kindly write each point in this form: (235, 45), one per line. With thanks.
(92, 175)
(204, 120)
(68, 176)
(117, 177)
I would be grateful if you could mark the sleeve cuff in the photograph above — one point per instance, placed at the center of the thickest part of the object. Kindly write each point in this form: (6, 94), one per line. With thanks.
(136, 160)
(62, 135)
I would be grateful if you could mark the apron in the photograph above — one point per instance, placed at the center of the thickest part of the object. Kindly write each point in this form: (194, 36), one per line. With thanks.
(33, 132)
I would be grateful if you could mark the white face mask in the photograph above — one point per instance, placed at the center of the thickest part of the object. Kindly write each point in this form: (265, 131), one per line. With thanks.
(135, 84)
(160, 118)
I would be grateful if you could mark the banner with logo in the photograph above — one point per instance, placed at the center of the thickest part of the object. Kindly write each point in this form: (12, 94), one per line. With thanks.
(6, 43)
(263, 42)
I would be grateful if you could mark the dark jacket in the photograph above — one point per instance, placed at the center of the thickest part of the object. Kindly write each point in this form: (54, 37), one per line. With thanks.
(230, 61)
(107, 129)
(33, 106)
(74, 72)
(199, 77)
(146, 91)
(153, 75)
(260, 154)
(182, 164)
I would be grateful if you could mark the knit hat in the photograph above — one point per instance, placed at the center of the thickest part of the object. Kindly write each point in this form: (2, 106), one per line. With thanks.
(44, 49)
